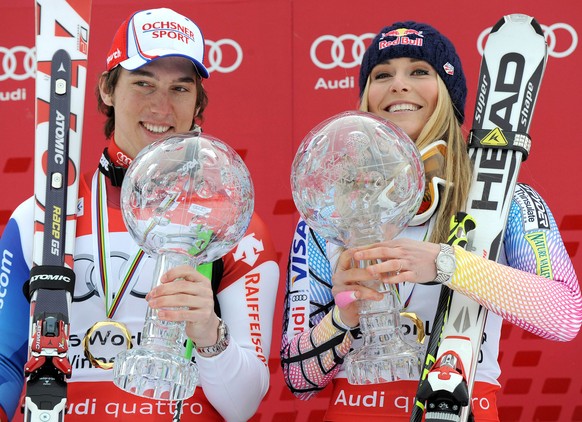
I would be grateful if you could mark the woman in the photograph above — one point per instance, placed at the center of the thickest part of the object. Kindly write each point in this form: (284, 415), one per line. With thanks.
(411, 75)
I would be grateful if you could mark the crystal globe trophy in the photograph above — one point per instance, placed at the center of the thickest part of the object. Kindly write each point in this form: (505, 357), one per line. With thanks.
(356, 180)
(185, 199)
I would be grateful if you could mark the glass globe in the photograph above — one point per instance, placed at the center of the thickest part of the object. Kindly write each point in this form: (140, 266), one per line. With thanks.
(357, 179)
(186, 199)
(188, 196)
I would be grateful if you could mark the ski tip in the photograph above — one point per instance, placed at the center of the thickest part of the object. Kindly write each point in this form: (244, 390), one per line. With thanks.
(518, 18)
(521, 18)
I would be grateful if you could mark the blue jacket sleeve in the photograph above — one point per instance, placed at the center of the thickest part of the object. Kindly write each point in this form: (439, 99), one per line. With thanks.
(14, 318)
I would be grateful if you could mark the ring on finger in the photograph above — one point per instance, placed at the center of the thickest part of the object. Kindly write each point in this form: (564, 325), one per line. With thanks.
(399, 267)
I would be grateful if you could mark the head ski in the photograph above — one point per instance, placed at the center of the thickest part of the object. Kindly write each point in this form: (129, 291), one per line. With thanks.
(511, 72)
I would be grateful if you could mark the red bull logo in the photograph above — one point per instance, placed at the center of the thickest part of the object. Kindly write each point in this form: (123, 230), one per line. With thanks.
(402, 32)
(403, 37)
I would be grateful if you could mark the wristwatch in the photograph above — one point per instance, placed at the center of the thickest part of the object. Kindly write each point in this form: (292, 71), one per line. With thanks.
(445, 263)
(220, 345)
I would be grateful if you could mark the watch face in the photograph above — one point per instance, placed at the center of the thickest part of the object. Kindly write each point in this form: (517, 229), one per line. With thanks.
(446, 263)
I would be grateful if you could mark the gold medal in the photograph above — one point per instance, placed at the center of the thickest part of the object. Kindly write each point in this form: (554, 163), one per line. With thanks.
(419, 326)
(105, 339)
(107, 334)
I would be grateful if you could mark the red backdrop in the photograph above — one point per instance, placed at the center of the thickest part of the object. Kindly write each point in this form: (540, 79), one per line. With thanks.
(275, 74)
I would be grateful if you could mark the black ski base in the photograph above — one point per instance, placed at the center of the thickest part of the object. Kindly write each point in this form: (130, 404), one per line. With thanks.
(46, 388)
(445, 408)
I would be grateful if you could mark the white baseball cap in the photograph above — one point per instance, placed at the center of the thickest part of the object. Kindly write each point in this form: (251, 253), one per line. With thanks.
(148, 35)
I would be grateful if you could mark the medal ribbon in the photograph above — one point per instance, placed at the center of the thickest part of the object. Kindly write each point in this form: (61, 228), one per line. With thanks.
(101, 246)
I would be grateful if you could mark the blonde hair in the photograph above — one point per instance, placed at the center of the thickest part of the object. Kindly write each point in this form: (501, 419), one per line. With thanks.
(443, 125)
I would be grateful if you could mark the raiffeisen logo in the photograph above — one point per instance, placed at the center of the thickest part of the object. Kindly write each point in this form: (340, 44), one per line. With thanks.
(345, 51)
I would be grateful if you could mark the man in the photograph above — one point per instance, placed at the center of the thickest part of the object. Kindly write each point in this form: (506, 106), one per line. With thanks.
(152, 88)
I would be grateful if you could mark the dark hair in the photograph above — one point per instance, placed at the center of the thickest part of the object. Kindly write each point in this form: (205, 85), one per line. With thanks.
(110, 79)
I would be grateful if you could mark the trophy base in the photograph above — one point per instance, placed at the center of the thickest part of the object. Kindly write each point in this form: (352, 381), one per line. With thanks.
(377, 364)
(155, 374)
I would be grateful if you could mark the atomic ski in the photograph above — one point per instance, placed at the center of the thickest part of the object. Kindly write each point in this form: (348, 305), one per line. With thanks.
(62, 37)
(513, 64)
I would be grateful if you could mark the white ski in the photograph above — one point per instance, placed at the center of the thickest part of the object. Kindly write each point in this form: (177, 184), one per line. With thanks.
(62, 37)
(513, 64)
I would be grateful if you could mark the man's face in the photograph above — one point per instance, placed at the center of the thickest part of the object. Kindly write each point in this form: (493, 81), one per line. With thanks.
(153, 101)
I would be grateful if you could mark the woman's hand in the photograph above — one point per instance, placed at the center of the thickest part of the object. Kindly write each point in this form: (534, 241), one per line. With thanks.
(401, 260)
(398, 261)
(348, 287)
(190, 293)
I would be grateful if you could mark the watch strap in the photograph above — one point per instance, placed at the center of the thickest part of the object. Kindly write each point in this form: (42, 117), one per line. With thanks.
(220, 345)
(443, 277)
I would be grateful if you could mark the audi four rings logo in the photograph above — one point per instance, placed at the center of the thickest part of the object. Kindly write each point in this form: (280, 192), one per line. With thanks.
(19, 62)
(345, 51)
(551, 33)
(216, 56)
(298, 297)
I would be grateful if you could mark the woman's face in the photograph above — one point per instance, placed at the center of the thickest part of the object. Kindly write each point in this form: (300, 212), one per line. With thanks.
(153, 101)
(404, 91)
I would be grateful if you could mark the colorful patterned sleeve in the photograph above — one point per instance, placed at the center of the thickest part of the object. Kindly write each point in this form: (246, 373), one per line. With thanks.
(538, 290)
(314, 341)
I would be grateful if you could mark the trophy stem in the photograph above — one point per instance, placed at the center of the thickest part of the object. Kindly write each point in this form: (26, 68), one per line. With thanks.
(385, 355)
(162, 335)
(157, 368)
